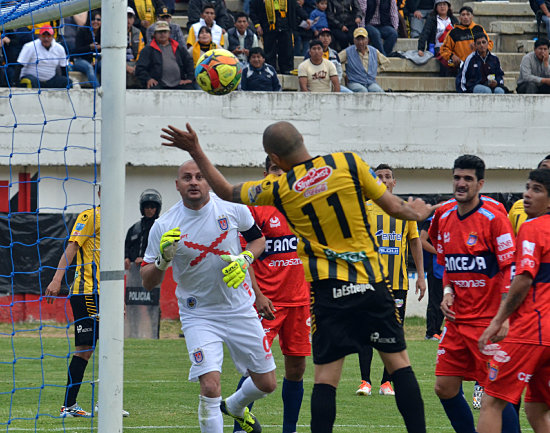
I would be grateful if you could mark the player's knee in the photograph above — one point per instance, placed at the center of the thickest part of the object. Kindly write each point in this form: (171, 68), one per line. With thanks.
(210, 388)
(443, 391)
(266, 382)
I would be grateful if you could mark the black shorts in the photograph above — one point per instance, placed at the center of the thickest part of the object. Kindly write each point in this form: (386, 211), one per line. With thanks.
(86, 319)
(400, 297)
(346, 316)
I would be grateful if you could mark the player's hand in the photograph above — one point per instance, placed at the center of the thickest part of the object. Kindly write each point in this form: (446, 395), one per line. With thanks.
(446, 305)
(421, 208)
(52, 290)
(168, 246)
(235, 272)
(264, 307)
(184, 140)
(420, 288)
(490, 335)
(127, 263)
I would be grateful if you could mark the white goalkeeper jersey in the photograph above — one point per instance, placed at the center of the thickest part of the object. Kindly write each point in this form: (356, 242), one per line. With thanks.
(197, 267)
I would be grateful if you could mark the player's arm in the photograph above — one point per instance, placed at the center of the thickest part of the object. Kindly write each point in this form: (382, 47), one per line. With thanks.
(425, 243)
(152, 274)
(418, 257)
(64, 262)
(264, 306)
(518, 291)
(448, 299)
(412, 210)
(188, 141)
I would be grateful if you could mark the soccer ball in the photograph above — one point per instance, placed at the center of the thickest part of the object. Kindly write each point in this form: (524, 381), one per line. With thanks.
(218, 72)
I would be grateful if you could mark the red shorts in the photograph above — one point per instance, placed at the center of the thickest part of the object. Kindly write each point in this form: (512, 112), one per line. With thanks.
(458, 355)
(292, 324)
(515, 366)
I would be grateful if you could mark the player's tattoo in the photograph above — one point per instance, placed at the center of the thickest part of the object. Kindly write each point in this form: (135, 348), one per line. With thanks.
(236, 197)
(513, 301)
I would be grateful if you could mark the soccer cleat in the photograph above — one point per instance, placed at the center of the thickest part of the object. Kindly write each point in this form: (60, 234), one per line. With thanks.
(476, 397)
(248, 422)
(125, 413)
(74, 411)
(386, 389)
(434, 337)
(438, 336)
(364, 389)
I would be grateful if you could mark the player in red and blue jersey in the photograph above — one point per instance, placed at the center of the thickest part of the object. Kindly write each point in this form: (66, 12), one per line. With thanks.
(523, 358)
(477, 245)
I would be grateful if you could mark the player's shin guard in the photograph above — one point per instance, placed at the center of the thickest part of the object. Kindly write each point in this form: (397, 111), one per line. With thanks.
(236, 425)
(293, 392)
(210, 416)
(510, 420)
(409, 400)
(77, 367)
(248, 393)
(459, 413)
(323, 408)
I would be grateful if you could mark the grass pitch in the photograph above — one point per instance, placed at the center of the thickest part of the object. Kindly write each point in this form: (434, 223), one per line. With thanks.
(160, 399)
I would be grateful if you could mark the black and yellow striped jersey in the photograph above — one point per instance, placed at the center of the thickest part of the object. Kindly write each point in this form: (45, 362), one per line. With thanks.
(86, 234)
(517, 215)
(323, 200)
(393, 236)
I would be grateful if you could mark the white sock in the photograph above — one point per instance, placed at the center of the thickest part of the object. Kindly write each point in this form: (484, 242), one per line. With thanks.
(241, 398)
(210, 416)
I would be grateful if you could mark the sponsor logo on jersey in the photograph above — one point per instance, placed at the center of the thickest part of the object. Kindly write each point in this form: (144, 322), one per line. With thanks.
(373, 174)
(527, 263)
(389, 236)
(446, 237)
(308, 322)
(350, 289)
(350, 257)
(392, 251)
(375, 338)
(198, 356)
(491, 349)
(440, 352)
(322, 187)
(253, 193)
(81, 330)
(524, 377)
(472, 239)
(313, 177)
(481, 264)
(191, 302)
(493, 372)
(280, 245)
(504, 242)
(76, 233)
(222, 222)
(506, 256)
(274, 222)
(80, 226)
(469, 283)
(528, 248)
(282, 263)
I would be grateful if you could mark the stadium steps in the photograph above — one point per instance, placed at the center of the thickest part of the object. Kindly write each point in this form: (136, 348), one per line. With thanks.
(509, 32)
(487, 12)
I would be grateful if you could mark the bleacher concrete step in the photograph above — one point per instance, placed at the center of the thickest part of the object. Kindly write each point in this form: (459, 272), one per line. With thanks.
(514, 27)
(525, 45)
(180, 20)
(500, 8)
(406, 44)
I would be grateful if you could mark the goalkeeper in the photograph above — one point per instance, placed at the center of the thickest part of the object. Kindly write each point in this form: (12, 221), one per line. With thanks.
(199, 237)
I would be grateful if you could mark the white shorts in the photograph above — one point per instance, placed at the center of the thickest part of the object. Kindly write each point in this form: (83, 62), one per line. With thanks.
(243, 336)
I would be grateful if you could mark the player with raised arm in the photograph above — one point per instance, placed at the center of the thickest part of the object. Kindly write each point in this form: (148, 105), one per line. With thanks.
(282, 300)
(517, 214)
(523, 358)
(477, 245)
(323, 200)
(199, 236)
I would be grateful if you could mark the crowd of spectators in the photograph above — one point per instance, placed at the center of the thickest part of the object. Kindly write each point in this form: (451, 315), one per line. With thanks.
(359, 34)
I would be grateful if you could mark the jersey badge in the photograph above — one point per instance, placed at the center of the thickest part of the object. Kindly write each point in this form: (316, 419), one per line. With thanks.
(253, 192)
(472, 239)
(191, 302)
(84, 217)
(313, 177)
(493, 372)
(198, 356)
(222, 222)
(274, 222)
(399, 303)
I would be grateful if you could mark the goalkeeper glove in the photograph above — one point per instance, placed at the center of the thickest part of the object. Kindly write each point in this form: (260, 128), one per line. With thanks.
(235, 272)
(168, 246)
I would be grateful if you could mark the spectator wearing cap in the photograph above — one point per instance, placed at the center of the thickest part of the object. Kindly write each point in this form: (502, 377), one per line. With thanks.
(164, 64)
(481, 71)
(458, 43)
(317, 74)
(208, 19)
(134, 45)
(145, 13)
(381, 19)
(417, 11)
(534, 71)
(40, 60)
(87, 51)
(343, 18)
(240, 38)
(257, 75)
(362, 62)
(175, 30)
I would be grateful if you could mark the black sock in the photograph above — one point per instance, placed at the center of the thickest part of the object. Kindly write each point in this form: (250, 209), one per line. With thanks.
(323, 408)
(385, 377)
(77, 367)
(365, 360)
(408, 399)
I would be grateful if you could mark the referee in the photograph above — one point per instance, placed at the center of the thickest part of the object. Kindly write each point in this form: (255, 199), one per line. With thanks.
(323, 200)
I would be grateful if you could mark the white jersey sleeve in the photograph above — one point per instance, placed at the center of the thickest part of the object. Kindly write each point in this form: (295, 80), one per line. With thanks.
(153, 243)
(245, 218)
